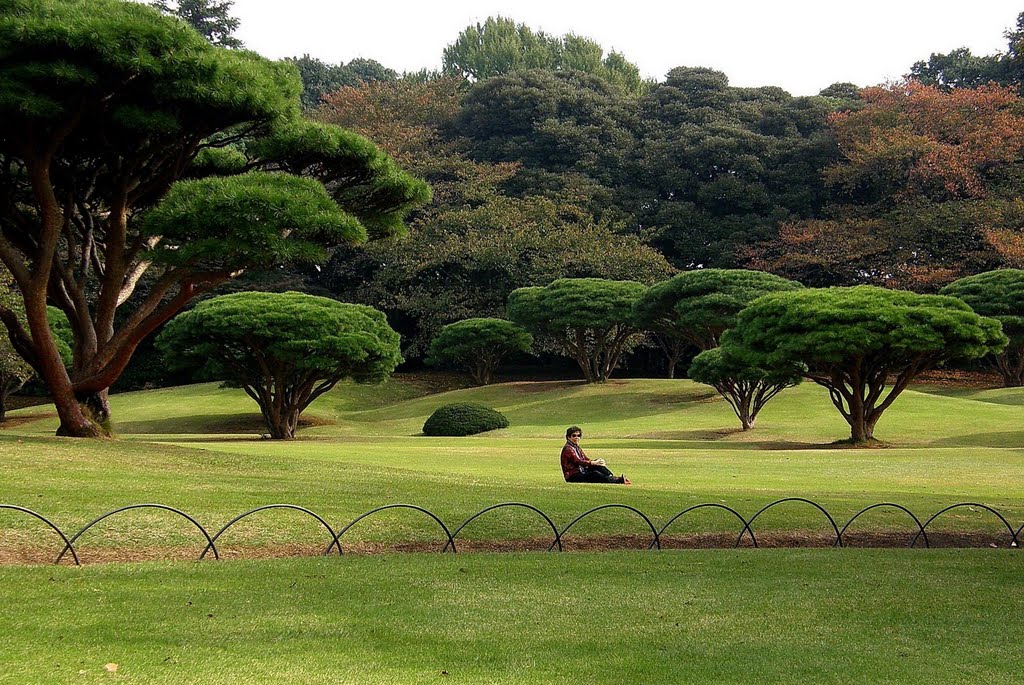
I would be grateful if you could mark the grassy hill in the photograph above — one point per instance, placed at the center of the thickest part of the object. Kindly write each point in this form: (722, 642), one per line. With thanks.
(198, 448)
(695, 616)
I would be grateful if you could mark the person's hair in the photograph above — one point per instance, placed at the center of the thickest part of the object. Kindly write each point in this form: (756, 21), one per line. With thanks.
(572, 429)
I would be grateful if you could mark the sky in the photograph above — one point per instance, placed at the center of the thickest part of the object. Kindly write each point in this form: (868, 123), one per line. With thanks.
(800, 45)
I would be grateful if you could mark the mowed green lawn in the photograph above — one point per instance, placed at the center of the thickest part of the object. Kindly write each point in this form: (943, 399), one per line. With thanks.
(675, 616)
(694, 616)
(197, 448)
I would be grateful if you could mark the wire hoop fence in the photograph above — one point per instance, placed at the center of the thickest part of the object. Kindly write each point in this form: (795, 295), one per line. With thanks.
(450, 534)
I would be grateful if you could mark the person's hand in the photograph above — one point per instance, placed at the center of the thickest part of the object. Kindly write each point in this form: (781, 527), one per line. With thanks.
(600, 462)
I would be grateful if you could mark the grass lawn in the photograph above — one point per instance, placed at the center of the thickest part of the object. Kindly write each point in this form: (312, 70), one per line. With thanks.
(710, 616)
(197, 448)
(676, 616)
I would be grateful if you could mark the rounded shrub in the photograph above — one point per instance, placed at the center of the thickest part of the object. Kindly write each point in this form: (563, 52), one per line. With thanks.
(463, 418)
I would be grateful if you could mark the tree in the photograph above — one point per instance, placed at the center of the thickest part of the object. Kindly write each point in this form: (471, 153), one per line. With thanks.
(587, 319)
(999, 295)
(718, 167)
(928, 189)
(746, 387)
(14, 372)
(320, 79)
(478, 240)
(500, 46)
(959, 69)
(464, 262)
(857, 341)
(210, 18)
(478, 345)
(105, 105)
(696, 307)
(284, 349)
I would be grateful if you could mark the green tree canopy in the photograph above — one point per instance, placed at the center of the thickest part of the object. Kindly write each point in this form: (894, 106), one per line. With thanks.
(501, 46)
(210, 18)
(586, 319)
(745, 386)
(478, 345)
(283, 349)
(105, 105)
(696, 307)
(1000, 295)
(858, 341)
(320, 79)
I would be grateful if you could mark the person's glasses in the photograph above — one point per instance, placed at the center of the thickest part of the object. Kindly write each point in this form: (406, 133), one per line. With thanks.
(576, 435)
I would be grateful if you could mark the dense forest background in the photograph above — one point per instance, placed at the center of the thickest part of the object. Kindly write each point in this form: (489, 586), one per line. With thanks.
(549, 157)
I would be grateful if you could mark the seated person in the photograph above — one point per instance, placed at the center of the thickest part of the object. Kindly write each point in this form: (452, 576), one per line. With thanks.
(577, 468)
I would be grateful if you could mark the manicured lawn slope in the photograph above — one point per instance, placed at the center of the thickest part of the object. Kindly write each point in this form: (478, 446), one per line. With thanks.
(196, 448)
(768, 616)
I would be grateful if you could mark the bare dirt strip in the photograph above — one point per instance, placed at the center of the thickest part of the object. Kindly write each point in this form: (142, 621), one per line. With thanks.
(46, 553)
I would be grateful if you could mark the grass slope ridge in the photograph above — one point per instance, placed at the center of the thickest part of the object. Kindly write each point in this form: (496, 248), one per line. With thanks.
(678, 441)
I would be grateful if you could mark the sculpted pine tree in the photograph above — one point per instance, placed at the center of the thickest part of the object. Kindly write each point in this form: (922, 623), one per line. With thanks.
(586, 319)
(864, 344)
(694, 308)
(284, 349)
(105, 105)
(478, 345)
(745, 386)
(1000, 295)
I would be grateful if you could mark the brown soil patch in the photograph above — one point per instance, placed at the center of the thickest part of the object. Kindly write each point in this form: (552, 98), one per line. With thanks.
(571, 543)
(953, 378)
(15, 421)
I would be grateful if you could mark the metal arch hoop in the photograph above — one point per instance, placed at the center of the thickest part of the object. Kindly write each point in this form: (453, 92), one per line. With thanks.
(1013, 535)
(67, 543)
(747, 527)
(337, 539)
(294, 507)
(557, 541)
(655, 542)
(920, 531)
(164, 507)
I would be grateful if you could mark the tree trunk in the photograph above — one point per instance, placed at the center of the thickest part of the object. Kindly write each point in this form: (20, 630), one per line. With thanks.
(74, 422)
(96, 407)
(1011, 367)
(280, 424)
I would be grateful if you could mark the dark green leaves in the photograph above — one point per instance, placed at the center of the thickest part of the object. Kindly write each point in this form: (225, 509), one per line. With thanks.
(466, 340)
(255, 219)
(833, 326)
(235, 336)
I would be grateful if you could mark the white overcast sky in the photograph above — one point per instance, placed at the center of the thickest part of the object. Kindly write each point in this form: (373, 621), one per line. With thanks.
(800, 45)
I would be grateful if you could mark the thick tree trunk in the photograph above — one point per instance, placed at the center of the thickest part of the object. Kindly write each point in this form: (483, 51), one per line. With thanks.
(74, 422)
(1010, 365)
(96, 406)
(860, 430)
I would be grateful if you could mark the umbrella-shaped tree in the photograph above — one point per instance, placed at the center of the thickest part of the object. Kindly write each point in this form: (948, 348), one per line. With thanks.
(283, 349)
(864, 344)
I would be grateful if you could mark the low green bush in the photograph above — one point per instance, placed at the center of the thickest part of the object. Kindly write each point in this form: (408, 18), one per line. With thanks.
(463, 418)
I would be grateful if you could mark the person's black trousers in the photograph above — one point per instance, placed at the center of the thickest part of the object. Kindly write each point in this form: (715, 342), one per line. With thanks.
(596, 474)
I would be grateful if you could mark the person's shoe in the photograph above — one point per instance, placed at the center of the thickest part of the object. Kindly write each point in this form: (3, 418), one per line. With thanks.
(626, 481)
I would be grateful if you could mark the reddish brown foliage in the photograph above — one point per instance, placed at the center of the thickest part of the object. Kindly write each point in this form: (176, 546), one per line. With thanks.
(922, 141)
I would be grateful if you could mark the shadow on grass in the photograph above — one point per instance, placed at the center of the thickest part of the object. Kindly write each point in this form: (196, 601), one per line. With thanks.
(987, 439)
(228, 424)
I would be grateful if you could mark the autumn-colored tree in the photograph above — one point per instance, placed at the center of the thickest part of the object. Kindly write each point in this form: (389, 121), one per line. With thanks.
(927, 189)
(912, 141)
